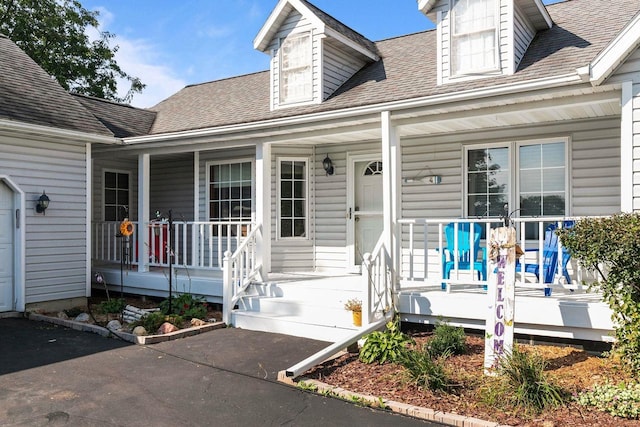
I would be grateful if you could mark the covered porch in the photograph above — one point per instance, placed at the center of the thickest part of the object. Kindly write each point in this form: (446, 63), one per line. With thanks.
(311, 303)
(421, 156)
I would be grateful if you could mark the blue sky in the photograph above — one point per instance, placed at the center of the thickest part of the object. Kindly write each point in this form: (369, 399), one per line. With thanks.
(170, 44)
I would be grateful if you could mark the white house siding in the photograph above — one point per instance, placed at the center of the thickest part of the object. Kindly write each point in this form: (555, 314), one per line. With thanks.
(331, 203)
(56, 242)
(113, 162)
(339, 66)
(172, 186)
(594, 161)
(295, 23)
(523, 34)
(294, 254)
(629, 71)
(594, 176)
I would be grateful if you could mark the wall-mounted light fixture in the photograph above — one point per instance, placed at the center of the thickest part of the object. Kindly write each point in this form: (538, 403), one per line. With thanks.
(327, 165)
(42, 203)
(430, 179)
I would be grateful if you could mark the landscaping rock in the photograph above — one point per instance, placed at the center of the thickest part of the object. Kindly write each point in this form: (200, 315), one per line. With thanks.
(197, 322)
(166, 328)
(139, 331)
(62, 315)
(114, 325)
(82, 317)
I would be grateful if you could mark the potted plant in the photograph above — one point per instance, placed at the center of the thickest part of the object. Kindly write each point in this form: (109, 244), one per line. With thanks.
(354, 305)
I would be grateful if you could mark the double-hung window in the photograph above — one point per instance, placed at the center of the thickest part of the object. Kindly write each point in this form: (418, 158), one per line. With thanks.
(536, 186)
(293, 177)
(295, 69)
(230, 198)
(116, 195)
(474, 36)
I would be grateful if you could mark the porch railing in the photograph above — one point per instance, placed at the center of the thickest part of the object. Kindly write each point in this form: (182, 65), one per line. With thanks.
(240, 269)
(194, 244)
(377, 279)
(423, 243)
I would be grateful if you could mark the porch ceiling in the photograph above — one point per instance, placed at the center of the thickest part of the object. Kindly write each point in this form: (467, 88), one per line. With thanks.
(511, 112)
(442, 117)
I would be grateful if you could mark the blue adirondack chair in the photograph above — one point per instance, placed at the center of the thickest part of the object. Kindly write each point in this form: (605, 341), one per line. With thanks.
(549, 258)
(463, 253)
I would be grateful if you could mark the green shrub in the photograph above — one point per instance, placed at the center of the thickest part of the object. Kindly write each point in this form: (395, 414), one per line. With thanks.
(423, 370)
(446, 340)
(152, 321)
(610, 247)
(621, 400)
(115, 305)
(384, 346)
(186, 305)
(526, 384)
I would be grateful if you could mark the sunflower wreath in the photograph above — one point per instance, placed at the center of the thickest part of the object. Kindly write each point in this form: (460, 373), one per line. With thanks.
(126, 228)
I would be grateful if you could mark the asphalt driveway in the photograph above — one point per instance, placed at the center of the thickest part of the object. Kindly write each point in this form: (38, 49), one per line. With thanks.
(50, 375)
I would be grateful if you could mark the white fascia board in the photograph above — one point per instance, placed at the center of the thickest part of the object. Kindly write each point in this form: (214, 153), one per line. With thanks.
(425, 5)
(330, 32)
(67, 135)
(544, 13)
(607, 61)
(260, 42)
(182, 138)
(262, 39)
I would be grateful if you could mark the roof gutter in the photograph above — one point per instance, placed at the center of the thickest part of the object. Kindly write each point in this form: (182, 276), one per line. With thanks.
(474, 94)
(76, 136)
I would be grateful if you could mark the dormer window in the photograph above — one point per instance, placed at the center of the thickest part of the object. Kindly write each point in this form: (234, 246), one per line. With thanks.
(295, 69)
(474, 41)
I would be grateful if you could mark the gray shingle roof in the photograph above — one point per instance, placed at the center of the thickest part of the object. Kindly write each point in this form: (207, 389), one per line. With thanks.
(406, 70)
(29, 95)
(122, 120)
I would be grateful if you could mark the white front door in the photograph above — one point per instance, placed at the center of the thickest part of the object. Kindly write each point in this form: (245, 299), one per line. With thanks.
(366, 208)
(6, 248)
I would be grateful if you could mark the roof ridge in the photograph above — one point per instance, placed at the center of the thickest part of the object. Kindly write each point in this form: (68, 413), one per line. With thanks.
(227, 78)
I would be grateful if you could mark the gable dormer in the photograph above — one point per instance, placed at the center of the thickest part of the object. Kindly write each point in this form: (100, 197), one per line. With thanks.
(312, 54)
(483, 38)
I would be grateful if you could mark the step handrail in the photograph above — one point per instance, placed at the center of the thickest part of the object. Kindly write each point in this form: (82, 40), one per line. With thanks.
(377, 277)
(240, 268)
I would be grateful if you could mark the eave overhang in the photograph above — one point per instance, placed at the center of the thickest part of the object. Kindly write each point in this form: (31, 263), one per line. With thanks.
(616, 52)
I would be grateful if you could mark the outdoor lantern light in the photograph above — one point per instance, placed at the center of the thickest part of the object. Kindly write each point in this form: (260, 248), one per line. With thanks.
(327, 164)
(42, 204)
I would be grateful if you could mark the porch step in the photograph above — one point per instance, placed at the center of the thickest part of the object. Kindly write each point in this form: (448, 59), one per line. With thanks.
(311, 307)
(321, 329)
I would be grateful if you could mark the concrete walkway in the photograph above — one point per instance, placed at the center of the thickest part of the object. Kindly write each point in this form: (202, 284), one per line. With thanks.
(53, 376)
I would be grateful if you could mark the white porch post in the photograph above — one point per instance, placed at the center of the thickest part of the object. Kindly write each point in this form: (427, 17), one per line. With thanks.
(88, 216)
(195, 242)
(627, 140)
(263, 207)
(391, 162)
(144, 167)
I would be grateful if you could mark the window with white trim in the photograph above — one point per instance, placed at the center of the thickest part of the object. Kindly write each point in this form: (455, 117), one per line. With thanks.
(295, 69)
(474, 38)
(116, 195)
(293, 178)
(230, 197)
(540, 176)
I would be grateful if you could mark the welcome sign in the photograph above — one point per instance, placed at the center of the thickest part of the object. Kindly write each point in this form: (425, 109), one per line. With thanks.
(501, 296)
